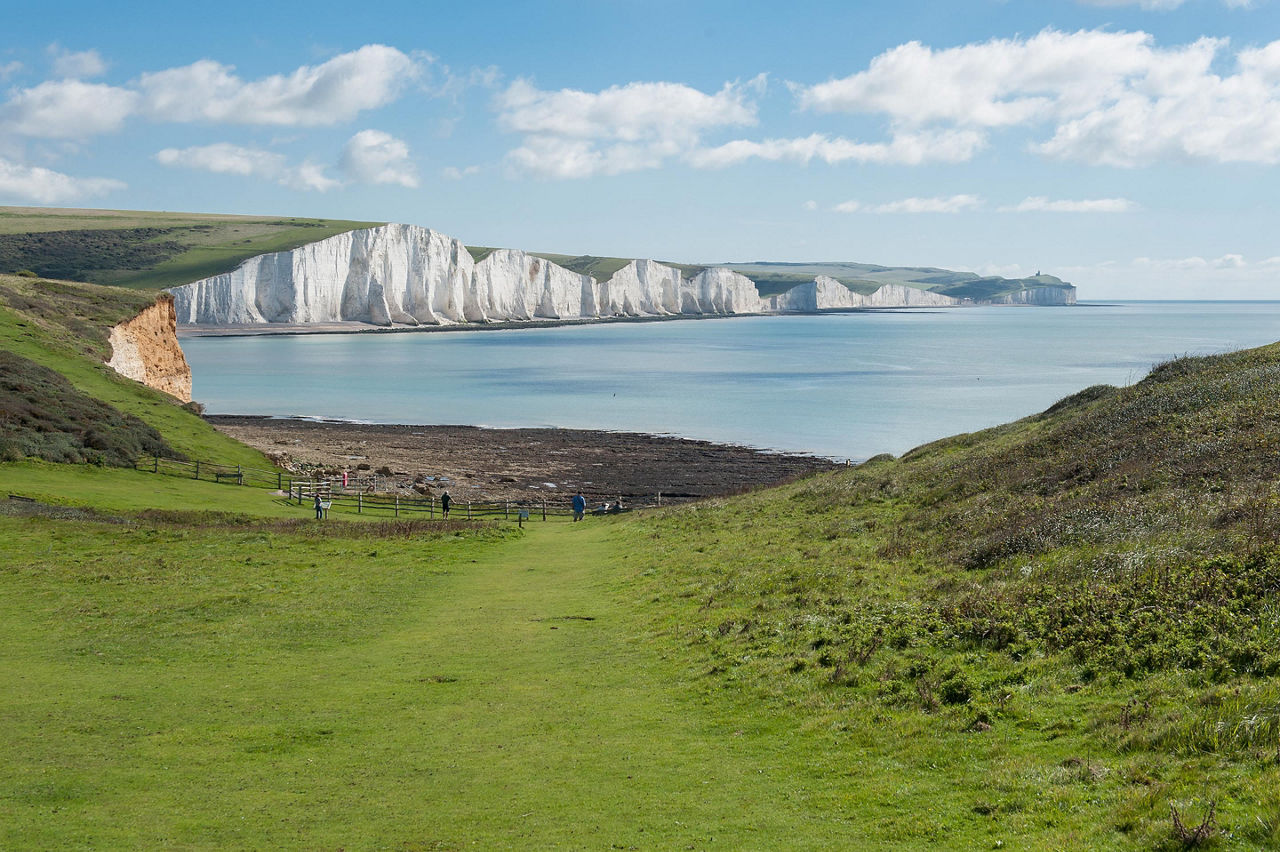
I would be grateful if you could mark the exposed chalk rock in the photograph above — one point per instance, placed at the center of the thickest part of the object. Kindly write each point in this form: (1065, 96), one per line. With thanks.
(1045, 296)
(824, 294)
(409, 275)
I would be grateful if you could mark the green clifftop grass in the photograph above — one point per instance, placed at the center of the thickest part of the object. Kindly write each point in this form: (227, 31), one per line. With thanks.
(63, 326)
(149, 250)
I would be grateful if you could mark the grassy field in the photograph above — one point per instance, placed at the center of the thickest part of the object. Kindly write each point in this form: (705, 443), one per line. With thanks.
(1060, 633)
(63, 326)
(146, 250)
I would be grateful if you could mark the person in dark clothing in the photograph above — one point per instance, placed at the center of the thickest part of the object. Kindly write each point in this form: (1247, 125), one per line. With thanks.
(445, 500)
(579, 506)
(319, 507)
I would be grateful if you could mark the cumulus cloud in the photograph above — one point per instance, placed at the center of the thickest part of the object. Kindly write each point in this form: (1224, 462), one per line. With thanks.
(1039, 203)
(67, 109)
(948, 204)
(45, 186)
(71, 64)
(329, 93)
(225, 158)
(954, 146)
(372, 156)
(574, 134)
(1113, 98)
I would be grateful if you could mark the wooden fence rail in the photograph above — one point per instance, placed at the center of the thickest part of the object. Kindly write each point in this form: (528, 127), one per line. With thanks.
(359, 496)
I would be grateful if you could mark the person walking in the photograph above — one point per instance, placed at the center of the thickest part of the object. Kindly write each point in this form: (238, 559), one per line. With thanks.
(579, 506)
(445, 500)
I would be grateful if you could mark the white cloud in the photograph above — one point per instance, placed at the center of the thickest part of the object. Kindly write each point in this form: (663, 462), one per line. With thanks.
(573, 134)
(811, 205)
(8, 69)
(67, 109)
(455, 173)
(330, 93)
(949, 204)
(372, 156)
(44, 186)
(1113, 98)
(76, 65)
(1038, 203)
(904, 149)
(225, 158)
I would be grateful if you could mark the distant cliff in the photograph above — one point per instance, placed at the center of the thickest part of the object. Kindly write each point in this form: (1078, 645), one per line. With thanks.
(405, 275)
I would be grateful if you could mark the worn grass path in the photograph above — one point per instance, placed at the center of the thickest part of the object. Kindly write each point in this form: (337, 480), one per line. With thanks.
(504, 695)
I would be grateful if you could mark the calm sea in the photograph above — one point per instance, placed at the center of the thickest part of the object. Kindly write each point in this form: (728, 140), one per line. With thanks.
(839, 385)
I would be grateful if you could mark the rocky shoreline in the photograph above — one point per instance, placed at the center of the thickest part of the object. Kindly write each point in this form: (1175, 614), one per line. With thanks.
(520, 464)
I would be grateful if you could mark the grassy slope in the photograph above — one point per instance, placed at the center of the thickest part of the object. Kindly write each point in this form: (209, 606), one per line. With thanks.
(63, 326)
(1042, 635)
(193, 245)
(1075, 617)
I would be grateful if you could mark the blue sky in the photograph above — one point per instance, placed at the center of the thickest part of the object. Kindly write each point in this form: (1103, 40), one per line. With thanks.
(1129, 146)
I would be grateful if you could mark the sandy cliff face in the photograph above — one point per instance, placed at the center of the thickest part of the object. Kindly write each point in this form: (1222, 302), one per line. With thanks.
(146, 349)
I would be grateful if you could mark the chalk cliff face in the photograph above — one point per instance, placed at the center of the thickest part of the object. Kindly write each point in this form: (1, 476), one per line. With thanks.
(825, 293)
(1038, 296)
(407, 275)
(146, 350)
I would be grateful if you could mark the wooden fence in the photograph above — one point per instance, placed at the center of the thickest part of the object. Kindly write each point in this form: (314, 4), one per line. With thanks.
(360, 496)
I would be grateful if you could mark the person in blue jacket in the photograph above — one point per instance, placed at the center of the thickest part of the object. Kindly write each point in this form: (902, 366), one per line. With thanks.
(579, 506)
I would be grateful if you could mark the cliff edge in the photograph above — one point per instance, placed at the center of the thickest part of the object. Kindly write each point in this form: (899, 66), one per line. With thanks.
(145, 349)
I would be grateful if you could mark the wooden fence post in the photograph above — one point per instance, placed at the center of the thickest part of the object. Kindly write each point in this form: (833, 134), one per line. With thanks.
(506, 509)
(544, 508)
(397, 505)
(468, 510)
(431, 506)
(197, 468)
(359, 502)
(279, 481)
(155, 465)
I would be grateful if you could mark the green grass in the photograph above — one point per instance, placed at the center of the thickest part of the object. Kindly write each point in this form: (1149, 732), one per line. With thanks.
(72, 342)
(147, 250)
(114, 490)
(1045, 635)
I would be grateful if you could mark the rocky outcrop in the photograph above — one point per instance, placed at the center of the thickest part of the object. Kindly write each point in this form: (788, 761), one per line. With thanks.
(146, 350)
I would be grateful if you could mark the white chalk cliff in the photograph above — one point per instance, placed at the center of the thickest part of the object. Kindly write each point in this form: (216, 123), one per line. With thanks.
(407, 275)
(825, 293)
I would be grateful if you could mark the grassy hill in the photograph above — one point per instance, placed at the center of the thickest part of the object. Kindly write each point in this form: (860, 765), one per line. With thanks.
(59, 394)
(146, 249)
(1058, 633)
